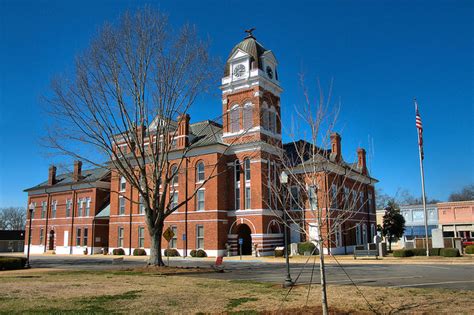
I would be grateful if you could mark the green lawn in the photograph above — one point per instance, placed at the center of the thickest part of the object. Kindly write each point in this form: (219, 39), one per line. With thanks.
(34, 291)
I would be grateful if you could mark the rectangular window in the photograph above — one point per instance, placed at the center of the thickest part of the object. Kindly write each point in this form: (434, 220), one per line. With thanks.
(88, 206)
(174, 200)
(247, 197)
(80, 205)
(333, 196)
(84, 238)
(199, 236)
(372, 231)
(370, 203)
(294, 198)
(358, 235)
(120, 237)
(269, 183)
(174, 240)
(141, 207)
(123, 184)
(43, 209)
(361, 199)
(41, 236)
(78, 237)
(364, 233)
(338, 235)
(141, 237)
(237, 197)
(121, 206)
(34, 210)
(68, 208)
(354, 199)
(200, 200)
(237, 184)
(313, 197)
(53, 208)
(346, 197)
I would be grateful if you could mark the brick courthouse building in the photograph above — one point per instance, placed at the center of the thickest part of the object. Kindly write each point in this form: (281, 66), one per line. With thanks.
(237, 202)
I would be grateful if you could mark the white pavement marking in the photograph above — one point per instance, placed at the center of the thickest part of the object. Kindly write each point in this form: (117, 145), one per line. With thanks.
(431, 283)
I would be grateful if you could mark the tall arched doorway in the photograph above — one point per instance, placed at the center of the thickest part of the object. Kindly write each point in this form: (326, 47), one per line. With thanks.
(244, 233)
(51, 240)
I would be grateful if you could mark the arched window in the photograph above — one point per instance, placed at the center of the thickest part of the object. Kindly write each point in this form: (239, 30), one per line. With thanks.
(234, 119)
(200, 172)
(248, 116)
(174, 174)
(247, 169)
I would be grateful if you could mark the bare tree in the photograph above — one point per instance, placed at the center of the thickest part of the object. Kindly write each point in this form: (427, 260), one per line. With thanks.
(467, 193)
(12, 218)
(323, 193)
(123, 105)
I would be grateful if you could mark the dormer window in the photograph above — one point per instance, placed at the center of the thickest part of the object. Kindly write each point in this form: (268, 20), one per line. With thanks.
(123, 183)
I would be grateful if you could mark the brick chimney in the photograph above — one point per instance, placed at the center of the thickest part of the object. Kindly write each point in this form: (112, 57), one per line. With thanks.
(361, 162)
(77, 175)
(183, 131)
(336, 154)
(52, 175)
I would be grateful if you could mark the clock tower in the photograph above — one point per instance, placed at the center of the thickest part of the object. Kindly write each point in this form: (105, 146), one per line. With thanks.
(251, 95)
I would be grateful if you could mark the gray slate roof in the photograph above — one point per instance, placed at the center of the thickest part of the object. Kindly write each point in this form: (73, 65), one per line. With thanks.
(88, 176)
(206, 132)
(293, 148)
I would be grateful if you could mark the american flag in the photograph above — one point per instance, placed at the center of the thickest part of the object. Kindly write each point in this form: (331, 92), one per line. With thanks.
(419, 127)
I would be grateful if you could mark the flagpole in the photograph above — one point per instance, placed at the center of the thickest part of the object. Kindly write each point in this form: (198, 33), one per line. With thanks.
(423, 197)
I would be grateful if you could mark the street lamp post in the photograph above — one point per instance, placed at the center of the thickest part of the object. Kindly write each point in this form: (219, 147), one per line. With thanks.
(288, 282)
(31, 208)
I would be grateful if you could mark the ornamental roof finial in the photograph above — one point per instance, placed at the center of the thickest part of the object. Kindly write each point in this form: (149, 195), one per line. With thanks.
(249, 32)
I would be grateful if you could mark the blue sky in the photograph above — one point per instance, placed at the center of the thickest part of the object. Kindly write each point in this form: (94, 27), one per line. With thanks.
(380, 54)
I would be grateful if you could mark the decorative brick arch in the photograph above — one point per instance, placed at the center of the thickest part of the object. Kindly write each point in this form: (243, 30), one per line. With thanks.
(270, 224)
(243, 221)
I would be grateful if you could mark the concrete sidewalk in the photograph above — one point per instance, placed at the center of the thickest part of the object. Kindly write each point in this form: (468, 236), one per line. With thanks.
(342, 259)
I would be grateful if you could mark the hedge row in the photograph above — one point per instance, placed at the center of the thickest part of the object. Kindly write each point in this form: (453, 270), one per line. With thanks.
(118, 251)
(139, 252)
(469, 249)
(171, 252)
(445, 252)
(198, 253)
(11, 263)
(307, 247)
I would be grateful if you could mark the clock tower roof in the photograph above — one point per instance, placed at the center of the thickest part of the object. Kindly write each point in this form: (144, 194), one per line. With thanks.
(252, 47)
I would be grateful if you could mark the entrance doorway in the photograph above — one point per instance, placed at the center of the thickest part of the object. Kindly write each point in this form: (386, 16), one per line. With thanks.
(244, 233)
(51, 240)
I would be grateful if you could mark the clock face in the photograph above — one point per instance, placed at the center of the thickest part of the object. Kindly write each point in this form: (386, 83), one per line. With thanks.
(269, 72)
(239, 70)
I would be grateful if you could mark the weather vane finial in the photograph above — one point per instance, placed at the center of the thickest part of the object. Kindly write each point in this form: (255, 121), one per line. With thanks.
(249, 32)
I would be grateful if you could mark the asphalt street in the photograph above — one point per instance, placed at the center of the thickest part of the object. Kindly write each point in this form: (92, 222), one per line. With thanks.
(449, 276)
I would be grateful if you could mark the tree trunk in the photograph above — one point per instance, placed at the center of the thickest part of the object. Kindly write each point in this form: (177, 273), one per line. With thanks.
(322, 271)
(390, 243)
(156, 258)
